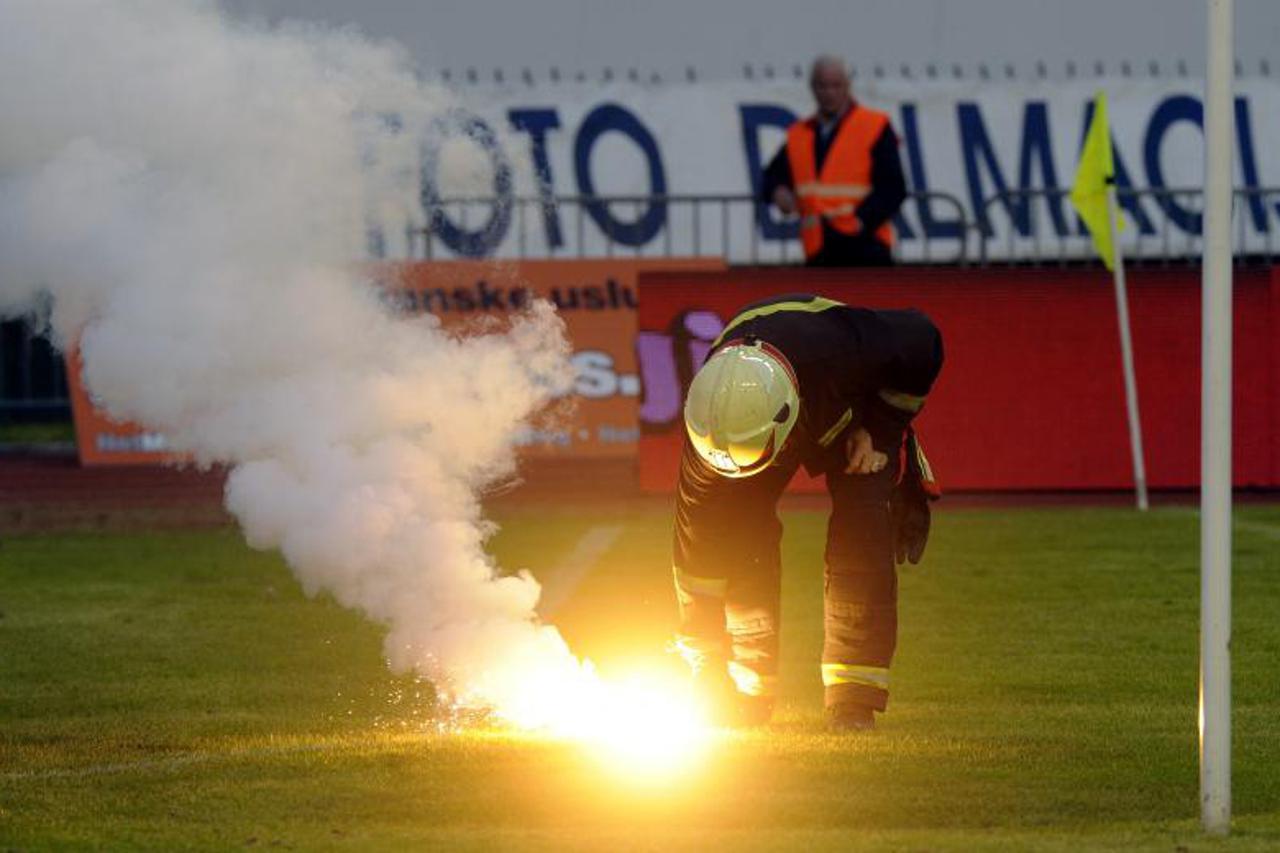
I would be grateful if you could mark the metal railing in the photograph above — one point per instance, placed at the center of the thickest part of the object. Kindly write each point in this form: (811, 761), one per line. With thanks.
(1163, 226)
(933, 228)
(1032, 226)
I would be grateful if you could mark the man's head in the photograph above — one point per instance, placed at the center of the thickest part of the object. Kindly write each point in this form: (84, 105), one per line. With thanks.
(741, 407)
(829, 81)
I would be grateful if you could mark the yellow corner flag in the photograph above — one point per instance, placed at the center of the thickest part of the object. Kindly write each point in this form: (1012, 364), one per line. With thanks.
(1095, 172)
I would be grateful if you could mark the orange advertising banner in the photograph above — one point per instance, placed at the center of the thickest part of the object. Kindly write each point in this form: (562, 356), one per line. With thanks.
(596, 298)
(103, 441)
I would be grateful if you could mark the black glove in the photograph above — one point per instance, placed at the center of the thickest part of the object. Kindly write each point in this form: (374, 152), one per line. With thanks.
(909, 504)
(909, 510)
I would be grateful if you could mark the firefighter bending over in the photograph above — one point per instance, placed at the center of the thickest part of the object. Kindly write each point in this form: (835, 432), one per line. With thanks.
(802, 380)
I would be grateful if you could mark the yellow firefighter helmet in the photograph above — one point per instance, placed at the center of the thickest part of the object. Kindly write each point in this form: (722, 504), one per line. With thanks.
(741, 407)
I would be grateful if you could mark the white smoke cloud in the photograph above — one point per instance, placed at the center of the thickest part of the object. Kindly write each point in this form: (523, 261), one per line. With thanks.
(193, 194)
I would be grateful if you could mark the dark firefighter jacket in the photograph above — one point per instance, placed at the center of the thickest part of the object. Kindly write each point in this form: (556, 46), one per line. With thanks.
(855, 367)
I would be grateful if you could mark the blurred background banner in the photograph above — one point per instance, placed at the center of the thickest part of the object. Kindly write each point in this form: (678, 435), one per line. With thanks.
(1033, 364)
(1032, 395)
(581, 169)
(597, 300)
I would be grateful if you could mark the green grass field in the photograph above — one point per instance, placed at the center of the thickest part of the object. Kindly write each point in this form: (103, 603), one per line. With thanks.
(177, 690)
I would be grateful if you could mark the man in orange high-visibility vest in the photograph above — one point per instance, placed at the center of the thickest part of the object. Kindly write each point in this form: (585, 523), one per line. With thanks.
(840, 172)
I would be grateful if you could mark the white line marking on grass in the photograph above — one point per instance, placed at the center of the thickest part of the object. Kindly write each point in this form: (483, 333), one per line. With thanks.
(575, 567)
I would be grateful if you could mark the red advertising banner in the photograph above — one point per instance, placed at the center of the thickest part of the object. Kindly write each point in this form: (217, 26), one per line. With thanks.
(1032, 395)
(596, 298)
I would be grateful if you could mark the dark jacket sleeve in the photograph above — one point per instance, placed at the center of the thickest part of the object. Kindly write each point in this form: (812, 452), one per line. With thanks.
(776, 174)
(888, 185)
(885, 423)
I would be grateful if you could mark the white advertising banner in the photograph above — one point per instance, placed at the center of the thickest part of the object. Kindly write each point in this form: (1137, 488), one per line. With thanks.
(989, 156)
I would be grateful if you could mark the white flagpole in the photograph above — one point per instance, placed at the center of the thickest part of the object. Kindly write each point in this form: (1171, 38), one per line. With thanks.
(1215, 451)
(1126, 355)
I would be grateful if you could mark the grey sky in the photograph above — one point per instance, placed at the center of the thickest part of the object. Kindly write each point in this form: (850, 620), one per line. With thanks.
(718, 38)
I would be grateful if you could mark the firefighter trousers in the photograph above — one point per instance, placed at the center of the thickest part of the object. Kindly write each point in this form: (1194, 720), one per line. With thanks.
(727, 562)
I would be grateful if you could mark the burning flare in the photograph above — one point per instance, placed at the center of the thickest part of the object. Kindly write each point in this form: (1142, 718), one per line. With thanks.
(646, 724)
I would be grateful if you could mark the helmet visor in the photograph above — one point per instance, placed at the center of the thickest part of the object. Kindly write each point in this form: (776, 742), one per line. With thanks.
(732, 464)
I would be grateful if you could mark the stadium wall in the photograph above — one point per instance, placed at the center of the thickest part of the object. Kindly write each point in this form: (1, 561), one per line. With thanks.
(1031, 396)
